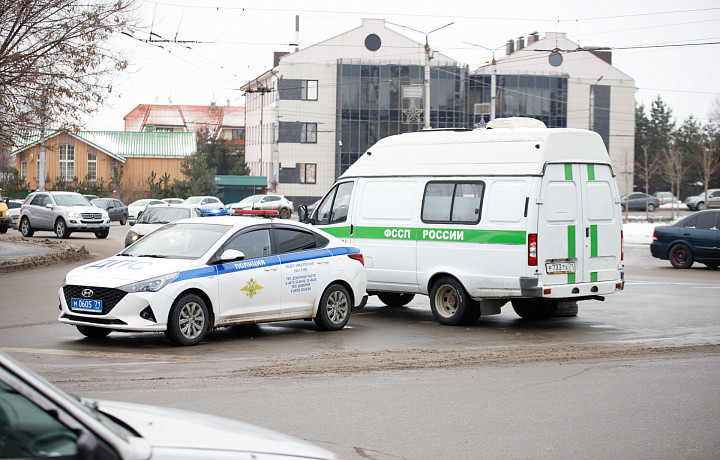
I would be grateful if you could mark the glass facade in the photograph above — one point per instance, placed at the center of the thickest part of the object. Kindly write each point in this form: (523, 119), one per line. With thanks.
(534, 96)
(379, 100)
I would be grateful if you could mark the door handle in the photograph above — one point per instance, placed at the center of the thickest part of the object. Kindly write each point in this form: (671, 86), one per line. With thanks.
(323, 261)
(587, 232)
(271, 268)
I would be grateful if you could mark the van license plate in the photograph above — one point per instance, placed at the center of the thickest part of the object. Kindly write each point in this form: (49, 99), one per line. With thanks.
(86, 305)
(558, 268)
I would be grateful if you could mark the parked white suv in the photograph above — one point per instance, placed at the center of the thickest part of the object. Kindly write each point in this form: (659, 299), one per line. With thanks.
(62, 213)
(697, 202)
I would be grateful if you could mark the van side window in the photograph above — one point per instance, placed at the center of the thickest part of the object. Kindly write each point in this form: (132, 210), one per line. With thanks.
(334, 208)
(454, 202)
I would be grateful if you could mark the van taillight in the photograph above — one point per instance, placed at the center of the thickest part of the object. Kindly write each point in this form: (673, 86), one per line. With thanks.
(622, 245)
(532, 249)
(358, 257)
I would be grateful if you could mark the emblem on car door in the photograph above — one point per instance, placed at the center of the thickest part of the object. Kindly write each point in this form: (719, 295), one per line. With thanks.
(251, 288)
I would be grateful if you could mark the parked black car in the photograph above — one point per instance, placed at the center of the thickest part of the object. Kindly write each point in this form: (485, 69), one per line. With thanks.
(116, 209)
(694, 238)
(636, 202)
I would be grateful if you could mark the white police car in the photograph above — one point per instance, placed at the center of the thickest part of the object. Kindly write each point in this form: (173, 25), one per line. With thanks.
(193, 275)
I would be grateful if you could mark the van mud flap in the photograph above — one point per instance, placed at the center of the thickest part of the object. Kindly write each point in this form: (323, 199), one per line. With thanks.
(529, 287)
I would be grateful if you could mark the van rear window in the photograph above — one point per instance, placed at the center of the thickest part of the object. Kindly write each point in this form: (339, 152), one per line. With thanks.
(452, 202)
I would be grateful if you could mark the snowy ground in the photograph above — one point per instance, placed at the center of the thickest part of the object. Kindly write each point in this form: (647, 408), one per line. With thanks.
(638, 232)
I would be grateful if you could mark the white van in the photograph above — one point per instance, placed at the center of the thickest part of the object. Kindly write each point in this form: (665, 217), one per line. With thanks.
(512, 212)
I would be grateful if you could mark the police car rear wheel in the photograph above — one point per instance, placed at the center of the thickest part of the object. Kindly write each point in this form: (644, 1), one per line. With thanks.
(334, 310)
(93, 332)
(188, 321)
(450, 303)
(393, 299)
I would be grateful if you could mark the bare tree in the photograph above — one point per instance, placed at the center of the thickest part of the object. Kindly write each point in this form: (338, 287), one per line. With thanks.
(55, 62)
(709, 161)
(646, 169)
(673, 171)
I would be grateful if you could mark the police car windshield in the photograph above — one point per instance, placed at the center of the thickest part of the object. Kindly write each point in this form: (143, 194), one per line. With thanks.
(178, 241)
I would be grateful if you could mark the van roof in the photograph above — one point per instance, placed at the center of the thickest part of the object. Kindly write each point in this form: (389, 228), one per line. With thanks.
(500, 151)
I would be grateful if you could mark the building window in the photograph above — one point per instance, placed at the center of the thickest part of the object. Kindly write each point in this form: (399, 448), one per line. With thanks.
(309, 90)
(23, 169)
(162, 129)
(307, 173)
(238, 134)
(91, 165)
(308, 133)
(67, 162)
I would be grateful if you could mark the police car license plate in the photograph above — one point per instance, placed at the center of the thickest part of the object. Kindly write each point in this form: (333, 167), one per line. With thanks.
(86, 305)
(559, 267)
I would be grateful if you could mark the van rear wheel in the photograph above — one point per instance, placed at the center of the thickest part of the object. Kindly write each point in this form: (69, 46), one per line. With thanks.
(534, 308)
(450, 303)
(395, 299)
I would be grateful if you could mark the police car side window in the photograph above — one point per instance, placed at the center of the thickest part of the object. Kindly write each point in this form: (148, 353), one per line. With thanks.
(291, 240)
(253, 244)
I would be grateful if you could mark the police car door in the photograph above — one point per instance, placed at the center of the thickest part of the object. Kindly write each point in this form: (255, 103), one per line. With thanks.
(250, 288)
(578, 227)
(305, 269)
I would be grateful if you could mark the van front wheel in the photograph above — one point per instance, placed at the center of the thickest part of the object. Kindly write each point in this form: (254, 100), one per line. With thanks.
(451, 305)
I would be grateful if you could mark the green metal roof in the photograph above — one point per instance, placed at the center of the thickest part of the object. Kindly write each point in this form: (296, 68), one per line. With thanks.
(241, 181)
(128, 144)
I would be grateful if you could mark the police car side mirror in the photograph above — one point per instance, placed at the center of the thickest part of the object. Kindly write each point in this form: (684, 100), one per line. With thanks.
(230, 255)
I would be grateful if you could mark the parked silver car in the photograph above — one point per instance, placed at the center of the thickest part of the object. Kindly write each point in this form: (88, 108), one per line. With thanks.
(62, 213)
(278, 203)
(697, 202)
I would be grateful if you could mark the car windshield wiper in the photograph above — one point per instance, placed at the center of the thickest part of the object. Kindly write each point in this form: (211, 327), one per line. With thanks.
(156, 256)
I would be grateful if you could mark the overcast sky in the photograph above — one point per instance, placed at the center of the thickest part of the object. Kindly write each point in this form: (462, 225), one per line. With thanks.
(236, 41)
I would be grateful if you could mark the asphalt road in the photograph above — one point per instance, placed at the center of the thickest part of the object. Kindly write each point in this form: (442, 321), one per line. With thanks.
(635, 376)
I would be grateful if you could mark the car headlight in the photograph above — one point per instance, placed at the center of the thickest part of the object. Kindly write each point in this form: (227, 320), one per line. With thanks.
(150, 285)
(73, 214)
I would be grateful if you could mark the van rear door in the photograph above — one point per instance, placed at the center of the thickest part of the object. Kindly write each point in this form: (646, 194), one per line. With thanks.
(578, 225)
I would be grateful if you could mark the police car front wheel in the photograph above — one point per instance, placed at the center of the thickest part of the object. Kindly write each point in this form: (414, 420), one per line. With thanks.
(450, 303)
(334, 310)
(188, 321)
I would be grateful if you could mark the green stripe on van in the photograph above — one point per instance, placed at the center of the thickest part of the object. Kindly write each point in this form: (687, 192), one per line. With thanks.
(593, 277)
(568, 172)
(337, 232)
(431, 234)
(571, 251)
(591, 172)
(593, 241)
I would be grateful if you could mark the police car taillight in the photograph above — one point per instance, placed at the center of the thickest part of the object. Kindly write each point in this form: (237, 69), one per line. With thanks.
(255, 212)
(358, 257)
(532, 249)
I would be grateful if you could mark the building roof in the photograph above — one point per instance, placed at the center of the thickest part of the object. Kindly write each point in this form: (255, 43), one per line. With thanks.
(122, 145)
(241, 181)
(192, 118)
(393, 47)
(534, 59)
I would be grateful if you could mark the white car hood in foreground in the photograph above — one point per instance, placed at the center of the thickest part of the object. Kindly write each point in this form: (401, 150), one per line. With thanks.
(119, 270)
(178, 429)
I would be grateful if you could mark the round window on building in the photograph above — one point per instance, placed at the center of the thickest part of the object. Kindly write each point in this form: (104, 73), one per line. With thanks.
(372, 42)
(555, 59)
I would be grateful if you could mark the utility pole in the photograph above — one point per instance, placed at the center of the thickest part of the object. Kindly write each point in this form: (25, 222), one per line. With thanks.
(262, 90)
(428, 57)
(493, 79)
(41, 150)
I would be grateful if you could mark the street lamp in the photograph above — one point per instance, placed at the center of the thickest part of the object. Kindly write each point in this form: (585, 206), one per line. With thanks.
(493, 78)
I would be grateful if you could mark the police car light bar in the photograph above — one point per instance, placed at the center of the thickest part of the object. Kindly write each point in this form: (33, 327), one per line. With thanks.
(257, 212)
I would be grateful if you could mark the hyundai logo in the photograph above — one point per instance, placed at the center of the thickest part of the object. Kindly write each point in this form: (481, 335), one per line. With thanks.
(87, 293)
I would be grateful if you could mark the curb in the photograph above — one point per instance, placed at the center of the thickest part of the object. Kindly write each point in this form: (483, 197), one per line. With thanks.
(65, 253)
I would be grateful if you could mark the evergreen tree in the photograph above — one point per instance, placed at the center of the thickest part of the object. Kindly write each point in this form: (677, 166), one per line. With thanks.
(222, 155)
